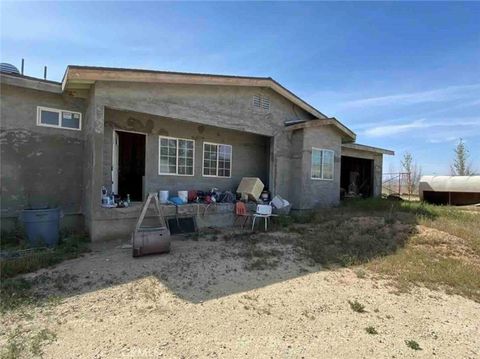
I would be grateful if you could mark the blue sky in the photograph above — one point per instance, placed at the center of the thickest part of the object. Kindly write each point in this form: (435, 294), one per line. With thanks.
(403, 76)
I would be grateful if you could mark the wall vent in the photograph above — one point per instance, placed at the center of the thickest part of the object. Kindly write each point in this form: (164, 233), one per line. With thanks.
(261, 103)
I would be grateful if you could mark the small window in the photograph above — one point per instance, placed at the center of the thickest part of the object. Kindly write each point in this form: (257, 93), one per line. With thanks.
(261, 103)
(217, 160)
(322, 164)
(176, 156)
(51, 117)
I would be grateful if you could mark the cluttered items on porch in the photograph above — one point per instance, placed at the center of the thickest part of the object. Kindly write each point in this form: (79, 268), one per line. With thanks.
(250, 189)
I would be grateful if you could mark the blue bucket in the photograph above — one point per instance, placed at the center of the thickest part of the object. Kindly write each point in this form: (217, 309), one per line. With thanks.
(42, 226)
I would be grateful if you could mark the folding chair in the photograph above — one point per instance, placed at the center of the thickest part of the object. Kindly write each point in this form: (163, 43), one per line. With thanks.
(241, 212)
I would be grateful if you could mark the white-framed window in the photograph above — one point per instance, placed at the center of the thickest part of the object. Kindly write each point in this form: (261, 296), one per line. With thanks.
(52, 117)
(217, 160)
(322, 164)
(176, 156)
(261, 103)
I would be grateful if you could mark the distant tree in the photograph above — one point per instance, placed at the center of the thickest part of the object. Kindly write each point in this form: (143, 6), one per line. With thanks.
(461, 166)
(414, 172)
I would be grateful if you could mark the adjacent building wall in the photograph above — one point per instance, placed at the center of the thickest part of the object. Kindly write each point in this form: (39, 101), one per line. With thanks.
(40, 166)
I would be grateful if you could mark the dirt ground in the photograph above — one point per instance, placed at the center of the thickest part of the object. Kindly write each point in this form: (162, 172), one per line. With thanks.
(202, 300)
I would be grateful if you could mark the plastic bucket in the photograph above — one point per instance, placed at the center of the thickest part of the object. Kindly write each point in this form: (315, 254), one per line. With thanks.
(163, 195)
(183, 195)
(41, 226)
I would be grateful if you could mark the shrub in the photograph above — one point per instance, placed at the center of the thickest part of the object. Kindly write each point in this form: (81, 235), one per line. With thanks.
(413, 344)
(371, 330)
(357, 306)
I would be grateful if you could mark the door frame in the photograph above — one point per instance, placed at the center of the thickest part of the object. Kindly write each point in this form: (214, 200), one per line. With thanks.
(114, 167)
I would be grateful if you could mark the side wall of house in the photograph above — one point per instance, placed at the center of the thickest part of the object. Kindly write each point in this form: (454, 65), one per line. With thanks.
(377, 166)
(40, 166)
(308, 193)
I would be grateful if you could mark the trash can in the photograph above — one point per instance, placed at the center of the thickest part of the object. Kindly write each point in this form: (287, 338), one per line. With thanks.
(41, 226)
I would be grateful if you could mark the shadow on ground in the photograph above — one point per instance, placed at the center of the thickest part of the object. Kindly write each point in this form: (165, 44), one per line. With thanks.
(217, 264)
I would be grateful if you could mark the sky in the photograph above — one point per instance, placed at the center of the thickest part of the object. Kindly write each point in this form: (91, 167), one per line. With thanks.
(402, 76)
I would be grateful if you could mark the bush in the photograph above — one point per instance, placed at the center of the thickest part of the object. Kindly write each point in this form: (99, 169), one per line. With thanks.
(357, 306)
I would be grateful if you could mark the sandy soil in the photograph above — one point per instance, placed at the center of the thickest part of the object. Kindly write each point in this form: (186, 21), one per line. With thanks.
(199, 301)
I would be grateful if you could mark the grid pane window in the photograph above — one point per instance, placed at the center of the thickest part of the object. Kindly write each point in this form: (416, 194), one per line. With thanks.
(322, 164)
(328, 164)
(217, 160)
(210, 159)
(176, 156)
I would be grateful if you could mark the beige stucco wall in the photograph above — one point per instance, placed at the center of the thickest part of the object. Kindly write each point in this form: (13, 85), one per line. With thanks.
(40, 166)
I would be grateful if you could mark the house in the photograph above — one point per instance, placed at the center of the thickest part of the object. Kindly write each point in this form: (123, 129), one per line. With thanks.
(138, 131)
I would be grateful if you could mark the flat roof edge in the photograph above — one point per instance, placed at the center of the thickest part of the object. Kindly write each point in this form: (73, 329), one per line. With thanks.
(360, 147)
(30, 82)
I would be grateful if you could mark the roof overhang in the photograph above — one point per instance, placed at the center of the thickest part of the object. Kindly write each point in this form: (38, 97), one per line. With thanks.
(347, 134)
(365, 148)
(83, 77)
(30, 83)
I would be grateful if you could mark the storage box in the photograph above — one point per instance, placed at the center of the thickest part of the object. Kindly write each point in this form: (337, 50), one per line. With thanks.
(252, 186)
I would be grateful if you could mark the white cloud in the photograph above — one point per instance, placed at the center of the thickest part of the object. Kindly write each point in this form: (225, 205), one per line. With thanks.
(389, 130)
(438, 131)
(439, 95)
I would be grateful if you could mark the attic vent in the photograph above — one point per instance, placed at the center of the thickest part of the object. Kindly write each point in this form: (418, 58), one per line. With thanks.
(261, 103)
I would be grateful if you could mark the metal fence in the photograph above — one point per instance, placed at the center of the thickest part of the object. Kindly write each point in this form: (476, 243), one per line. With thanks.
(398, 184)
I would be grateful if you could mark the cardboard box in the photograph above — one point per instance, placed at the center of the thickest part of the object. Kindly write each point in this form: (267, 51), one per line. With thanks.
(252, 186)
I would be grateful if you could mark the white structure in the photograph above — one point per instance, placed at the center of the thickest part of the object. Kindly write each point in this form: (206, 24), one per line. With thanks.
(450, 189)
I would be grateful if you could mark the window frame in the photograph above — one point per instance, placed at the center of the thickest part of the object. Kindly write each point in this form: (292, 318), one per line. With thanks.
(60, 117)
(176, 156)
(322, 178)
(218, 157)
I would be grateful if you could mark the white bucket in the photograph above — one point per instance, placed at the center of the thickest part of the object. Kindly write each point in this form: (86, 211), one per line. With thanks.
(183, 195)
(163, 195)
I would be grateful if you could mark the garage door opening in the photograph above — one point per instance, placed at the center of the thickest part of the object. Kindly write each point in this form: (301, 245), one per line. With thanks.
(356, 179)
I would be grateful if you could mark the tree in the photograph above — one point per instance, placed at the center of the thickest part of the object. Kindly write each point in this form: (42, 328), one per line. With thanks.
(414, 172)
(461, 166)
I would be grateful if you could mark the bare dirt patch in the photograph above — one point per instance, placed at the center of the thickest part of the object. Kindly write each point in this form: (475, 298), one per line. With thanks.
(205, 300)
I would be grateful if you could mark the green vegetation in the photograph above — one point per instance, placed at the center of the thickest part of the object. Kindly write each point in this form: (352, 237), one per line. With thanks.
(413, 344)
(371, 330)
(413, 242)
(357, 306)
(25, 343)
(69, 247)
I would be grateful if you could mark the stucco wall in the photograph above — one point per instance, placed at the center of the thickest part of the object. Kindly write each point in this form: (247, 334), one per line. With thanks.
(377, 166)
(40, 166)
(250, 153)
(314, 193)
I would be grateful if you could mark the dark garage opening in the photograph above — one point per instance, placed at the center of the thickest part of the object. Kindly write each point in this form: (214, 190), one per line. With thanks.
(451, 198)
(131, 165)
(356, 178)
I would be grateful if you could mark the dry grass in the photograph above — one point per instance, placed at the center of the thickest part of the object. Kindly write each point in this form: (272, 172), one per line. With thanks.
(444, 253)
(411, 242)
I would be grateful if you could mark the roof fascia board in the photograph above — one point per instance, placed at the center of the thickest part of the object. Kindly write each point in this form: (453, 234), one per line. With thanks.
(365, 148)
(324, 122)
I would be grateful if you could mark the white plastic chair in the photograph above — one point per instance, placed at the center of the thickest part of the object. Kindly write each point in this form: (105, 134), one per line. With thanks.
(263, 211)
